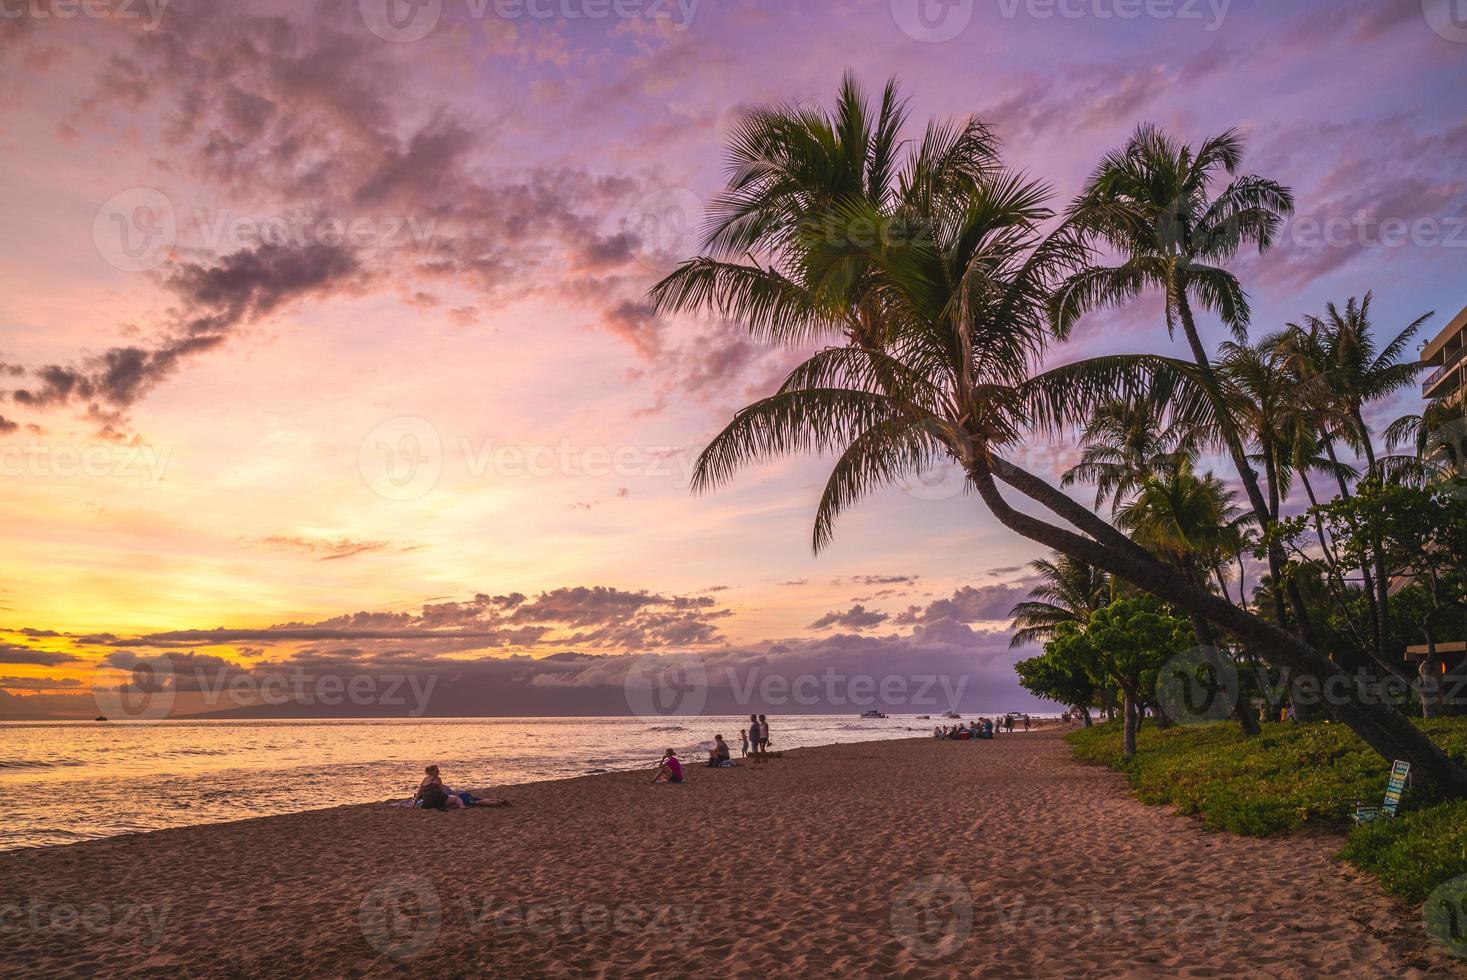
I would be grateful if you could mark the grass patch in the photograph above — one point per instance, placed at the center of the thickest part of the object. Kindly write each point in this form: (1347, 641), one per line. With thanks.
(1293, 775)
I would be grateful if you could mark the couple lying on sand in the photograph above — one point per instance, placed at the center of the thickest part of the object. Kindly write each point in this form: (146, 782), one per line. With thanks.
(433, 795)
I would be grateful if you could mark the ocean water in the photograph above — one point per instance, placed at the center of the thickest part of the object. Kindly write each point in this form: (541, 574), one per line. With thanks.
(62, 782)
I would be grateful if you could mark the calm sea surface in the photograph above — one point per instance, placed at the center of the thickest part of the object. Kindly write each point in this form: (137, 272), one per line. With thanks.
(62, 782)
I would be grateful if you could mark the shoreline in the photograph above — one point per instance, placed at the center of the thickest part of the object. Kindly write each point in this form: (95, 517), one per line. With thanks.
(143, 778)
(890, 856)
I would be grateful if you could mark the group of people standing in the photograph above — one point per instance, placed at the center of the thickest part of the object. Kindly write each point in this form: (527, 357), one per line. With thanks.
(756, 737)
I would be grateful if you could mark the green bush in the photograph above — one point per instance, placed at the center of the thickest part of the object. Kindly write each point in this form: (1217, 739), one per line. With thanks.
(1414, 853)
(1292, 775)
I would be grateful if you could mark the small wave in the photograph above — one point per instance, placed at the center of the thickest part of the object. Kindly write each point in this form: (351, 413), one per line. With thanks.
(667, 728)
(39, 763)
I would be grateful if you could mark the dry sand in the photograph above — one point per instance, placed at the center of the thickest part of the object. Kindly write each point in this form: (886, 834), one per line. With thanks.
(912, 858)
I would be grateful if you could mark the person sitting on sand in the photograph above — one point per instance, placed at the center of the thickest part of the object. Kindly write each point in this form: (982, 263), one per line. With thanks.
(431, 795)
(719, 755)
(434, 795)
(671, 769)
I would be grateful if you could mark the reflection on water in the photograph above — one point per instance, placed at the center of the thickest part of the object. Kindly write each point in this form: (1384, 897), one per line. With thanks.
(68, 781)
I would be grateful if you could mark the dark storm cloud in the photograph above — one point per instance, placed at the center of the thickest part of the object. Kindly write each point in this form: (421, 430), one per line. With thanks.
(858, 617)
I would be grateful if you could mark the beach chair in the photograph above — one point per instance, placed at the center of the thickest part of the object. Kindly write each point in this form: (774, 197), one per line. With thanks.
(1400, 776)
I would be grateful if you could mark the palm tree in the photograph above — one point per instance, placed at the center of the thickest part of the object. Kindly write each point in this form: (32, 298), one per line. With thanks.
(1126, 442)
(1352, 371)
(938, 357)
(1255, 371)
(784, 243)
(1069, 591)
(1149, 201)
(1189, 520)
(1347, 371)
(1439, 439)
(1193, 524)
(1307, 358)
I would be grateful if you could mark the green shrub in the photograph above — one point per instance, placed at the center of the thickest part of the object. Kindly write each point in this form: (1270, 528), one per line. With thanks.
(1415, 852)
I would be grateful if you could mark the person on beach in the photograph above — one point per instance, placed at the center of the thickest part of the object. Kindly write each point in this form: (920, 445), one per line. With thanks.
(431, 795)
(754, 737)
(719, 754)
(743, 743)
(465, 799)
(764, 736)
(671, 769)
(434, 795)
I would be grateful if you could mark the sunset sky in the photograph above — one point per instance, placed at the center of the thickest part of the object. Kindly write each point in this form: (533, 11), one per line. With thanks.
(458, 435)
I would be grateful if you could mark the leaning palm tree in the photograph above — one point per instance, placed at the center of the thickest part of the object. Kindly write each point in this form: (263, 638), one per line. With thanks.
(783, 244)
(942, 360)
(1069, 590)
(1152, 202)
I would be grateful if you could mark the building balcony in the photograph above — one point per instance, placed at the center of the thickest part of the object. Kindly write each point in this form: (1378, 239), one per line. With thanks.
(1447, 368)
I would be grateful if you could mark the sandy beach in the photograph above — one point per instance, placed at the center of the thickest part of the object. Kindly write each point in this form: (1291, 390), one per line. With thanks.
(902, 858)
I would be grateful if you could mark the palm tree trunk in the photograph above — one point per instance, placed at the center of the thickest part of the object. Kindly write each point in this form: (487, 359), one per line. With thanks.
(1245, 472)
(1270, 473)
(1380, 726)
(1341, 591)
(1202, 629)
(1377, 627)
(1382, 581)
(1430, 671)
(1131, 712)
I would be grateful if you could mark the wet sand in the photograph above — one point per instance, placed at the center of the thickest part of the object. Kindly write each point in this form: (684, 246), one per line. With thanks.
(905, 858)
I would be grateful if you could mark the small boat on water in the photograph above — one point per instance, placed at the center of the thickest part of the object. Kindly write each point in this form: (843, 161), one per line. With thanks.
(873, 713)
(953, 715)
